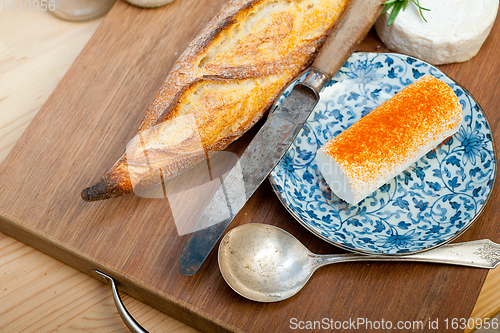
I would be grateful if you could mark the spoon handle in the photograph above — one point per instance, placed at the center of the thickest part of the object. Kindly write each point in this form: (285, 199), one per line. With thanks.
(481, 253)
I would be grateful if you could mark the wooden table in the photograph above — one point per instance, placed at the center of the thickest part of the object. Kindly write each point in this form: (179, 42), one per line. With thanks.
(39, 293)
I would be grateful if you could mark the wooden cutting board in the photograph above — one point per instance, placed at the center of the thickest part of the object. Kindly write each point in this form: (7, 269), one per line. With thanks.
(84, 127)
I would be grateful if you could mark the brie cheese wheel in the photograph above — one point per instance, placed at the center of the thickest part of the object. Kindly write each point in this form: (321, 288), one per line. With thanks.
(454, 32)
(389, 139)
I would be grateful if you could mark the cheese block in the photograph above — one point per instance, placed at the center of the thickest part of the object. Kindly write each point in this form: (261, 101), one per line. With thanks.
(454, 32)
(389, 139)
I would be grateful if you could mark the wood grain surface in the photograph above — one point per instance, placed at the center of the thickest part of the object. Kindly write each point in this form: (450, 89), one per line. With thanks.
(39, 293)
(80, 131)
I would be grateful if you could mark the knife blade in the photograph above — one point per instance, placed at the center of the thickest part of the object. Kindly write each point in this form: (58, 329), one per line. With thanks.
(275, 136)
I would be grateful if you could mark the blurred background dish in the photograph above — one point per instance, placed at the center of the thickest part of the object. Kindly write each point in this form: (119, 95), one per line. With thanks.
(149, 3)
(80, 10)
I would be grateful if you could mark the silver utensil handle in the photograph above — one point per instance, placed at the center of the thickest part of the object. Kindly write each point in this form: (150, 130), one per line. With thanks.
(129, 321)
(481, 253)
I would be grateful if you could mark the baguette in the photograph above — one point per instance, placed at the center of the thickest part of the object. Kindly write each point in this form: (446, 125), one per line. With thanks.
(223, 83)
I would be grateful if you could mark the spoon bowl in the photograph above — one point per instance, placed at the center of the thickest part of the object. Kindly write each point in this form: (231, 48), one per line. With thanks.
(264, 263)
(267, 264)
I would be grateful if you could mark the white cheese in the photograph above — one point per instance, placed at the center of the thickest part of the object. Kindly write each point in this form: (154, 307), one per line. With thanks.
(353, 191)
(454, 32)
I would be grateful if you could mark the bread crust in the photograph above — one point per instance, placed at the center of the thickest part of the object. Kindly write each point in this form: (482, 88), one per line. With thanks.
(222, 84)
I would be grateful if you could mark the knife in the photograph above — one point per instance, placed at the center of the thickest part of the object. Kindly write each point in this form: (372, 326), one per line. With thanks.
(275, 136)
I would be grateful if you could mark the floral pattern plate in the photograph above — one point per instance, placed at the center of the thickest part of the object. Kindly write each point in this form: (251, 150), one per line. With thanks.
(429, 204)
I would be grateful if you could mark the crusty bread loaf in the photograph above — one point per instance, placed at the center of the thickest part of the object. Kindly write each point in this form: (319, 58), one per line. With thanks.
(220, 87)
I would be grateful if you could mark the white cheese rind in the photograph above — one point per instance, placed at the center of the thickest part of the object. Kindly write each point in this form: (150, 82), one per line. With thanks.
(454, 32)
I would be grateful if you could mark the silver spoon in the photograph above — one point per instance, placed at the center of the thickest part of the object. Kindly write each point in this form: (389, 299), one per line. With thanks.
(267, 264)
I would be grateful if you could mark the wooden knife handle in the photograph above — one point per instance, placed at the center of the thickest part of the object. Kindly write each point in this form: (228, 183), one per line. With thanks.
(352, 27)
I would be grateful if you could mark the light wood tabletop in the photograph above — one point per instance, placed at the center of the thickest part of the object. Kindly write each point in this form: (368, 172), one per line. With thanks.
(37, 292)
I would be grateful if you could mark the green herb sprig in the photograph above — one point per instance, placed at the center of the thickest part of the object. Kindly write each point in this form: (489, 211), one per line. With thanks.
(397, 5)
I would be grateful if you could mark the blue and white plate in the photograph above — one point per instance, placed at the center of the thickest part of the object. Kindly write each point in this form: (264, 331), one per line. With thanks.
(429, 204)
